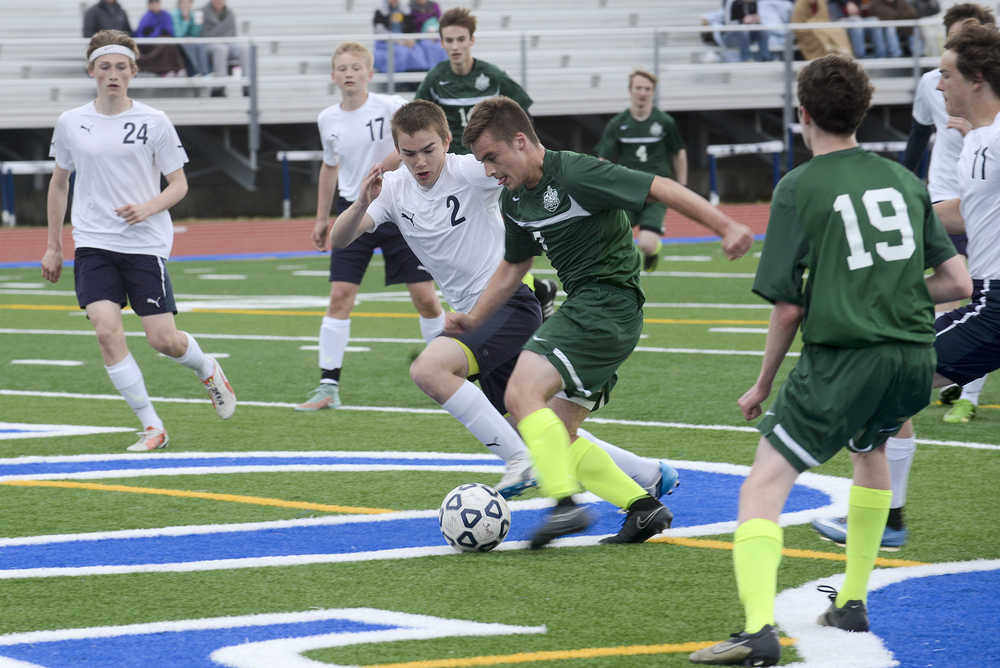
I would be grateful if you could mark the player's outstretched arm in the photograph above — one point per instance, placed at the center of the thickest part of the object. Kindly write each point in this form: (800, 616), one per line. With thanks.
(949, 281)
(355, 221)
(736, 237)
(785, 319)
(949, 212)
(502, 285)
(57, 199)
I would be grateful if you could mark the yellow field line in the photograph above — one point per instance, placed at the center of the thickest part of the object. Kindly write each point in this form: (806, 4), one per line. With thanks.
(555, 655)
(39, 307)
(231, 498)
(788, 552)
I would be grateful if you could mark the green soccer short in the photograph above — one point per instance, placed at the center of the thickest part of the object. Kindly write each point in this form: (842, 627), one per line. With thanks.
(650, 217)
(847, 397)
(588, 338)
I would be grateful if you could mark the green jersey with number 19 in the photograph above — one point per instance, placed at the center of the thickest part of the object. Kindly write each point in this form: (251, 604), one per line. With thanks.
(458, 93)
(575, 215)
(648, 145)
(863, 229)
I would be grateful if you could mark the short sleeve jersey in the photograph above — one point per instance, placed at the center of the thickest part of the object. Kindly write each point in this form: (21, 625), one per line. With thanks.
(979, 187)
(576, 216)
(928, 109)
(648, 145)
(457, 94)
(453, 227)
(118, 160)
(356, 140)
(864, 230)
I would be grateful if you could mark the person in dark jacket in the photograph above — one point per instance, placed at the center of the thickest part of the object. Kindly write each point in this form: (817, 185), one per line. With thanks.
(105, 15)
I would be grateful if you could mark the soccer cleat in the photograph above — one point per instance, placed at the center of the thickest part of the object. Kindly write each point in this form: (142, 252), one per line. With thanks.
(327, 395)
(961, 411)
(517, 478)
(642, 524)
(666, 483)
(220, 392)
(949, 394)
(545, 291)
(561, 521)
(150, 439)
(649, 262)
(743, 649)
(852, 617)
(835, 529)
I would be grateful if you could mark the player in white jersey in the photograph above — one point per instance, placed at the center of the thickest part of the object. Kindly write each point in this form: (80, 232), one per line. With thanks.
(355, 136)
(122, 230)
(929, 115)
(446, 208)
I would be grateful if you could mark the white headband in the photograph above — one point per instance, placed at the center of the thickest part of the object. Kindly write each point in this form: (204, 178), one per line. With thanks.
(112, 48)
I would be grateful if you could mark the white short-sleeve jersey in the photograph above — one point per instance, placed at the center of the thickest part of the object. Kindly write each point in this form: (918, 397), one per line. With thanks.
(979, 179)
(118, 160)
(453, 227)
(928, 109)
(357, 140)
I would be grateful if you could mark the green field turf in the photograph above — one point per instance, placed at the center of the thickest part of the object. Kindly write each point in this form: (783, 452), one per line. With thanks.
(658, 594)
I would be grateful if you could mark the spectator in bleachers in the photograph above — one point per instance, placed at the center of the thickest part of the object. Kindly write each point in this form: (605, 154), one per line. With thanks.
(391, 16)
(818, 41)
(898, 10)
(105, 15)
(422, 11)
(162, 59)
(884, 39)
(218, 20)
(408, 55)
(187, 23)
(737, 45)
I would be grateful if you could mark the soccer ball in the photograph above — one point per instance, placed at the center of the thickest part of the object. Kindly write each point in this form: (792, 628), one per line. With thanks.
(474, 518)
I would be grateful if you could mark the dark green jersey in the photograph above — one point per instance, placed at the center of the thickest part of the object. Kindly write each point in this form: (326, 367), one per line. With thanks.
(458, 94)
(575, 216)
(648, 145)
(864, 230)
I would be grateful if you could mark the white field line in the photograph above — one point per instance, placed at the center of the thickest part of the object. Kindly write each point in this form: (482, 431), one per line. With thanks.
(438, 411)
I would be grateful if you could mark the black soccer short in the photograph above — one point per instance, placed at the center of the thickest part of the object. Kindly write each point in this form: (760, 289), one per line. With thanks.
(497, 343)
(139, 280)
(349, 264)
(968, 338)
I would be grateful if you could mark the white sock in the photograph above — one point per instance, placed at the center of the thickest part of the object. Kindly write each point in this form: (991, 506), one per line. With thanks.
(471, 407)
(194, 359)
(643, 470)
(900, 452)
(431, 327)
(127, 379)
(333, 336)
(971, 391)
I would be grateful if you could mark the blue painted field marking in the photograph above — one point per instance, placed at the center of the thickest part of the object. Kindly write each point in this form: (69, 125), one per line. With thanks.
(12, 430)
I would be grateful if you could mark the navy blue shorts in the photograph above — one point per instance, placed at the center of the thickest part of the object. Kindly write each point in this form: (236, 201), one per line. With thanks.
(497, 343)
(961, 243)
(349, 264)
(139, 280)
(968, 338)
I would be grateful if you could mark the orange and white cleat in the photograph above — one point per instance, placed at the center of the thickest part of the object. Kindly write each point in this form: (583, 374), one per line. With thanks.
(220, 392)
(150, 439)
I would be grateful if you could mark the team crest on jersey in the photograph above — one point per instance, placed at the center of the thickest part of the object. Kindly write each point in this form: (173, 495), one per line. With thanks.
(482, 82)
(550, 200)
(656, 129)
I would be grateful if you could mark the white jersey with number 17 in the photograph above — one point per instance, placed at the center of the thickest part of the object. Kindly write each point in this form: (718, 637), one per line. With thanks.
(453, 227)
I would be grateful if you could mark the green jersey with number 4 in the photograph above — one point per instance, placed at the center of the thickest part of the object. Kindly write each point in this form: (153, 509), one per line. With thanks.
(862, 228)
(575, 215)
(648, 145)
(458, 94)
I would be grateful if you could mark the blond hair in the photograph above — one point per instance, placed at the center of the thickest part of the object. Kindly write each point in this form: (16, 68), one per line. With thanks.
(641, 73)
(354, 49)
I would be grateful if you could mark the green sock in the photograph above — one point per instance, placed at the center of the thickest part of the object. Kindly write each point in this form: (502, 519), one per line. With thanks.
(547, 439)
(598, 473)
(867, 511)
(756, 555)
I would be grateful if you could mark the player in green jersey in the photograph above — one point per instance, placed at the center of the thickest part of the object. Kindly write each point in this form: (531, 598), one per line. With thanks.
(643, 137)
(458, 83)
(571, 207)
(864, 230)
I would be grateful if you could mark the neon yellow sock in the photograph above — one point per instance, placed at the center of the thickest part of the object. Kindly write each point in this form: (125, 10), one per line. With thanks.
(867, 511)
(547, 439)
(529, 280)
(598, 473)
(756, 555)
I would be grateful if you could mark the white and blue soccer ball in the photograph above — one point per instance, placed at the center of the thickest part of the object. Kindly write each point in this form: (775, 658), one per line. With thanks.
(474, 518)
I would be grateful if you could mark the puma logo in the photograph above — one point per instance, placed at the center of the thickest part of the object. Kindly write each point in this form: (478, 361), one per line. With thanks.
(84, 127)
(154, 302)
(409, 217)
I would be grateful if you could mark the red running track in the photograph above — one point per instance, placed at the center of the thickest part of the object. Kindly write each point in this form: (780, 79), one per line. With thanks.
(27, 244)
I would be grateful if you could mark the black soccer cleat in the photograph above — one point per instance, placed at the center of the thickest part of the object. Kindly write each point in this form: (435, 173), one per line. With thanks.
(561, 521)
(545, 291)
(950, 394)
(646, 518)
(650, 262)
(852, 617)
(743, 649)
